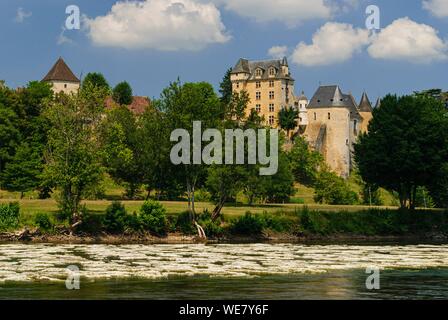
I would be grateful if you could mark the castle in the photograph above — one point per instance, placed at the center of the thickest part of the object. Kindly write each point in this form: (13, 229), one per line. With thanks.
(331, 121)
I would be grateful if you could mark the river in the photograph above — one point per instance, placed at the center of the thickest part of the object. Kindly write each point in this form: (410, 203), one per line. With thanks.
(224, 271)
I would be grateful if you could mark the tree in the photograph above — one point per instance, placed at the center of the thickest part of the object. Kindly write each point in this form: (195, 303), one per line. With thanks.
(406, 146)
(22, 173)
(287, 119)
(184, 104)
(96, 80)
(9, 135)
(225, 88)
(122, 93)
(121, 156)
(305, 163)
(72, 158)
(332, 189)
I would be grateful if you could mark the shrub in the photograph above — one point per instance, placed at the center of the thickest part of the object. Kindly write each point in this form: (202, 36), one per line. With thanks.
(248, 224)
(211, 228)
(278, 222)
(184, 225)
(153, 218)
(334, 190)
(116, 218)
(43, 222)
(9, 216)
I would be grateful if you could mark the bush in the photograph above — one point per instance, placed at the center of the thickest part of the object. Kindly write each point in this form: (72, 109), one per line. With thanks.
(248, 224)
(43, 222)
(9, 216)
(211, 228)
(184, 225)
(278, 222)
(116, 219)
(334, 190)
(153, 218)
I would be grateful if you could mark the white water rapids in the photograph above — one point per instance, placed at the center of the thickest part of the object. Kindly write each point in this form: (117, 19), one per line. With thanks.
(38, 262)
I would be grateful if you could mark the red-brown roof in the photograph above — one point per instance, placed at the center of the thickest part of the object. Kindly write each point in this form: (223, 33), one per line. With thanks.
(138, 105)
(61, 72)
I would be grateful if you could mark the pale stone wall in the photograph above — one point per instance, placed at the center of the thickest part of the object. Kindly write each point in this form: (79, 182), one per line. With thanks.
(367, 117)
(337, 144)
(282, 96)
(66, 87)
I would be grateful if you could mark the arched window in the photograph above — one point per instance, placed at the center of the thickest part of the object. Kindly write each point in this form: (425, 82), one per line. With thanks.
(329, 116)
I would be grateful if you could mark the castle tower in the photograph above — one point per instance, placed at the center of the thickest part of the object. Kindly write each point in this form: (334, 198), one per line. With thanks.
(365, 110)
(269, 85)
(301, 105)
(62, 78)
(333, 127)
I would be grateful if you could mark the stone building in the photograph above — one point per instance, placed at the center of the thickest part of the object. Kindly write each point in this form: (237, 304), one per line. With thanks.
(269, 85)
(62, 78)
(335, 121)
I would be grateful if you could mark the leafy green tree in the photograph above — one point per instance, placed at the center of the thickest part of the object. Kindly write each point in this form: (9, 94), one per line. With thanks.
(73, 159)
(287, 119)
(120, 143)
(184, 104)
(9, 135)
(305, 163)
(95, 80)
(22, 173)
(122, 93)
(406, 145)
(332, 189)
(279, 187)
(225, 88)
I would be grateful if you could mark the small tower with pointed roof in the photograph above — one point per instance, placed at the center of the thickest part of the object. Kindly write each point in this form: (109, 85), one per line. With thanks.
(301, 104)
(62, 78)
(365, 110)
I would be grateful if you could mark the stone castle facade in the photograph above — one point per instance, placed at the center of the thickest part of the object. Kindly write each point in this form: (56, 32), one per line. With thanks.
(331, 121)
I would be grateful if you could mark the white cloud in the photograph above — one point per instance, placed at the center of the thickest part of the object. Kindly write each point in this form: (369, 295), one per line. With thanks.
(291, 12)
(332, 43)
(22, 15)
(407, 40)
(278, 52)
(438, 8)
(63, 39)
(159, 24)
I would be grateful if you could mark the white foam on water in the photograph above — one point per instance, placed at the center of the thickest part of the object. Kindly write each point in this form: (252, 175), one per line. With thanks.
(43, 262)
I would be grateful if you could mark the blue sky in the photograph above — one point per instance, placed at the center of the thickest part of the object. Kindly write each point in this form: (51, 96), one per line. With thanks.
(202, 50)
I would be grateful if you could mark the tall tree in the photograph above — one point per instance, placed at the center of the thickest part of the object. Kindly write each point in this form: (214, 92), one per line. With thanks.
(225, 88)
(122, 93)
(287, 119)
(96, 80)
(73, 160)
(406, 145)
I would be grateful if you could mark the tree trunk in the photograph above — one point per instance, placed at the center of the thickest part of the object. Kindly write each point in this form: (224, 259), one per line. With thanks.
(217, 211)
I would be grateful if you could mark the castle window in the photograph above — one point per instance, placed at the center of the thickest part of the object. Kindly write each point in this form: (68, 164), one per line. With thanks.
(237, 84)
(271, 84)
(258, 72)
(272, 72)
(258, 84)
(271, 95)
(65, 86)
(258, 95)
(271, 107)
(355, 128)
(329, 116)
(315, 116)
(271, 120)
(258, 108)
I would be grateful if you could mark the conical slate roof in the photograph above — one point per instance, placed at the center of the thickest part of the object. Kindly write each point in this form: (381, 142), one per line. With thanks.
(61, 72)
(365, 105)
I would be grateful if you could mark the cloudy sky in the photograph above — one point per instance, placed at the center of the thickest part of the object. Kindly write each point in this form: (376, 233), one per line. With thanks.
(150, 43)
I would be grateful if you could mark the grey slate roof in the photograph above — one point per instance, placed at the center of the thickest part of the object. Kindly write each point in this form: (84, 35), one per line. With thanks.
(246, 66)
(364, 104)
(302, 96)
(332, 96)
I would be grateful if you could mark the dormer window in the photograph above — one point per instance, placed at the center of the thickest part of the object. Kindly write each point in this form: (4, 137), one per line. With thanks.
(272, 71)
(258, 72)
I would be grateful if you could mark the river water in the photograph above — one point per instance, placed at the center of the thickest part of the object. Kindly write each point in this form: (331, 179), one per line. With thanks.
(224, 271)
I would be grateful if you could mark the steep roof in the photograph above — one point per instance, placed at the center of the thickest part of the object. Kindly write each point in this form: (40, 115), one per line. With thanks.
(246, 66)
(332, 97)
(61, 72)
(302, 96)
(365, 105)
